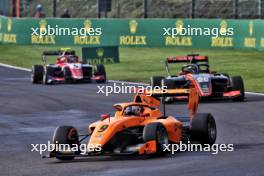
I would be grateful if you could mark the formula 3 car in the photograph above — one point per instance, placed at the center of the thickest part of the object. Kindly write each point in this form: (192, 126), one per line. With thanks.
(197, 73)
(67, 69)
(138, 128)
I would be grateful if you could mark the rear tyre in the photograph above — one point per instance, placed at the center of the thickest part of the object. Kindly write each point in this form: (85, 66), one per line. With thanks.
(48, 72)
(155, 81)
(169, 83)
(37, 74)
(100, 71)
(156, 131)
(203, 129)
(66, 135)
(238, 84)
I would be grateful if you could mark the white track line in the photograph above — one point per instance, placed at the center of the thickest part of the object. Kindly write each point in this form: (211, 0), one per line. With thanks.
(15, 67)
(111, 81)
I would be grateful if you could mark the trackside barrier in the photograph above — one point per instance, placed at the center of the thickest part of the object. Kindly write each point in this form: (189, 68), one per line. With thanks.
(248, 34)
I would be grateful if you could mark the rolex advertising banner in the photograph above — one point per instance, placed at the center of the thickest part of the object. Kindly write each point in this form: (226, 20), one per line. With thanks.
(100, 55)
(196, 33)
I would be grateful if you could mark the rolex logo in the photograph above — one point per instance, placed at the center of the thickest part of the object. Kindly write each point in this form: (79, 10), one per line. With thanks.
(133, 26)
(179, 25)
(100, 52)
(223, 26)
(42, 26)
(9, 24)
(250, 27)
(87, 25)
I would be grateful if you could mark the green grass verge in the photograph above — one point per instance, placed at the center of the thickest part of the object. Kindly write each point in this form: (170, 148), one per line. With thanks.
(139, 64)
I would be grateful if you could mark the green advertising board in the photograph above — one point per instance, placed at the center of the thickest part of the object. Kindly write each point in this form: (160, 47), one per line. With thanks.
(134, 32)
(100, 55)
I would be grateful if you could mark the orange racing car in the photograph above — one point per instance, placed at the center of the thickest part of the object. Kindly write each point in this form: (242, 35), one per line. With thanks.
(139, 127)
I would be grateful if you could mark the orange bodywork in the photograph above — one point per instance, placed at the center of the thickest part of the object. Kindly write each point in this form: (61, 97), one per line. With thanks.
(103, 131)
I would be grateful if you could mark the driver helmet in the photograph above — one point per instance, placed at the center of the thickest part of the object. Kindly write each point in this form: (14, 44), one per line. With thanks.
(134, 110)
(72, 58)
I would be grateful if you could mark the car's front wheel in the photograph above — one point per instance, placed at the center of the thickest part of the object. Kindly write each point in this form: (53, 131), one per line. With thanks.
(66, 137)
(37, 74)
(156, 131)
(238, 84)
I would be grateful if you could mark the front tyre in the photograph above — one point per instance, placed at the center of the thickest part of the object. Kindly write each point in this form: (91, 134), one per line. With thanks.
(156, 131)
(203, 129)
(68, 136)
(238, 84)
(48, 72)
(100, 71)
(37, 74)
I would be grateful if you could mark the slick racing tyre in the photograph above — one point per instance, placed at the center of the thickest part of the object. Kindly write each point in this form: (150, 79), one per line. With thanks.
(203, 129)
(238, 84)
(37, 74)
(65, 135)
(156, 131)
(155, 81)
(100, 71)
(48, 72)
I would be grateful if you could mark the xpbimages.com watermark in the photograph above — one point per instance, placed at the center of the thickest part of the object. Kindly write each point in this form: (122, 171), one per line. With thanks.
(190, 147)
(129, 89)
(62, 31)
(196, 31)
(51, 147)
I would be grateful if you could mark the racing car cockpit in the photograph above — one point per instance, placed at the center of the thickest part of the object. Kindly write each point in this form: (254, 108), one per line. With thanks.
(195, 68)
(134, 110)
(67, 59)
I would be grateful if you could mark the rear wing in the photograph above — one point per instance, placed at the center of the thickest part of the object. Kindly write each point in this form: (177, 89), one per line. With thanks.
(61, 52)
(152, 98)
(58, 53)
(194, 58)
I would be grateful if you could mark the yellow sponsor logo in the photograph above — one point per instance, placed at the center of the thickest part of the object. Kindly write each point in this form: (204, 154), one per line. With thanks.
(47, 39)
(87, 40)
(133, 26)
(251, 27)
(9, 24)
(42, 26)
(179, 26)
(100, 52)
(222, 41)
(133, 39)
(262, 42)
(9, 38)
(250, 42)
(178, 41)
(87, 25)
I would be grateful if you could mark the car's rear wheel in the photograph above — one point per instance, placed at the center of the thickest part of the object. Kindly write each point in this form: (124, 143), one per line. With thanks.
(48, 72)
(67, 136)
(155, 81)
(238, 84)
(100, 71)
(203, 129)
(37, 74)
(156, 131)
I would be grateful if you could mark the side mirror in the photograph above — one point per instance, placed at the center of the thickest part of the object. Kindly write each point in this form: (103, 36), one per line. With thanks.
(105, 116)
(118, 107)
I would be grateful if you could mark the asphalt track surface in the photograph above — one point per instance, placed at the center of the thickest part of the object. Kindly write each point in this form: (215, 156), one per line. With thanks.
(30, 113)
